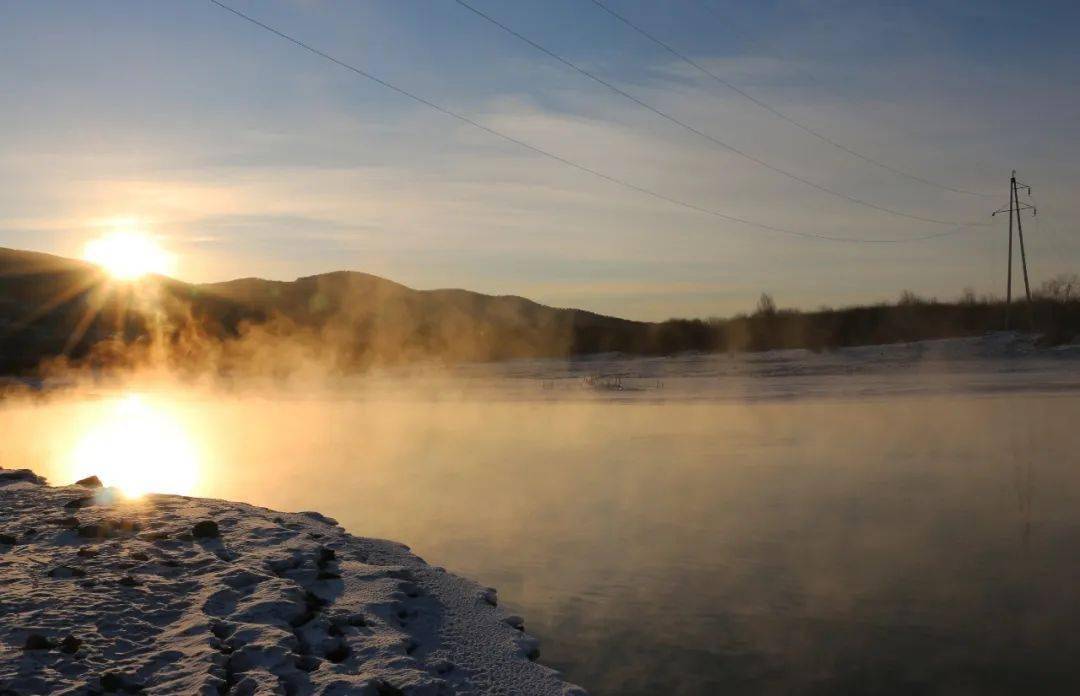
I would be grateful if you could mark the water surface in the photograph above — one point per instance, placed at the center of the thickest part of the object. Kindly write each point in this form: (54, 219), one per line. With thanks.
(780, 524)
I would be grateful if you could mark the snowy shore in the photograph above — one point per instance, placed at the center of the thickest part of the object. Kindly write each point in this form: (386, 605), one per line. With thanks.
(177, 595)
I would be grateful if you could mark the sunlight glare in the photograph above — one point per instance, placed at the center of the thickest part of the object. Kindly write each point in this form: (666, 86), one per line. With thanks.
(138, 447)
(128, 255)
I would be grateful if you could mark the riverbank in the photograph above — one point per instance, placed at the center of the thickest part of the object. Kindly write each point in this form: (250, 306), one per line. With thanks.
(171, 594)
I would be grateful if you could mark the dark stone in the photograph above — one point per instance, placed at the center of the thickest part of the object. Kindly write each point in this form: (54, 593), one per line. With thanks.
(140, 556)
(111, 682)
(386, 689)
(307, 663)
(320, 517)
(78, 503)
(70, 645)
(302, 618)
(90, 531)
(68, 522)
(326, 555)
(339, 653)
(221, 629)
(36, 641)
(86, 552)
(8, 539)
(67, 572)
(327, 575)
(128, 581)
(206, 529)
(314, 601)
(124, 525)
(16, 475)
(89, 482)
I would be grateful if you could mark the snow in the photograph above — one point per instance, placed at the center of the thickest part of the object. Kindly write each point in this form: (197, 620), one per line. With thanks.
(177, 595)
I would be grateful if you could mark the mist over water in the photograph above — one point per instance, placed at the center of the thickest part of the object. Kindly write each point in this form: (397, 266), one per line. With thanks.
(866, 522)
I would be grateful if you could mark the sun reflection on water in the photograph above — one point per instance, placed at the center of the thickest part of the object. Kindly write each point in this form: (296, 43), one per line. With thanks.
(139, 447)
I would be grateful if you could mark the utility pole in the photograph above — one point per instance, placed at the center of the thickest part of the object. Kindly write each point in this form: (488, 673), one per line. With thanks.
(1015, 207)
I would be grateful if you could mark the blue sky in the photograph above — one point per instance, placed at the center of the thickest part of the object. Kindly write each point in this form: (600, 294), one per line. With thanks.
(248, 156)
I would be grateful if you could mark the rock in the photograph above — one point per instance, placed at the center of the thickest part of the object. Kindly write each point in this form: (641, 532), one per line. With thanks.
(70, 645)
(108, 528)
(17, 475)
(90, 531)
(78, 503)
(111, 682)
(68, 522)
(386, 689)
(327, 575)
(339, 652)
(515, 621)
(128, 581)
(490, 595)
(123, 525)
(140, 556)
(326, 555)
(65, 572)
(36, 641)
(443, 666)
(8, 539)
(319, 517)
(86, 552)
(206, 529)
(89, 482)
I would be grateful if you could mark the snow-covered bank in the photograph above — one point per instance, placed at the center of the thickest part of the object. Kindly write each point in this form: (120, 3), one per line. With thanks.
(178, 595)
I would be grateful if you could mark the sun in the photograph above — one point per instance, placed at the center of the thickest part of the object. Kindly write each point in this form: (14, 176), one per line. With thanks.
(139, 447)
(128, 255)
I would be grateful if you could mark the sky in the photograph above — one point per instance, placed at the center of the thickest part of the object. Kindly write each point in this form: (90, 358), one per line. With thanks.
(246, 155)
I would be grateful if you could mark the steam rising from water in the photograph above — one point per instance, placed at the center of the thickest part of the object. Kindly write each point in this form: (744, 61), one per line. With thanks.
(870, 522)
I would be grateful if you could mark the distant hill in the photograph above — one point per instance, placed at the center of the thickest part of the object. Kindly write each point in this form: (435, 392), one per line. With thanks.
(51, 306)
(55, 308)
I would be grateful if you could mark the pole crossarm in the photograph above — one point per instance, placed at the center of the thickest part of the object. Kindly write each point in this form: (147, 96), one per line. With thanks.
(1009, 209)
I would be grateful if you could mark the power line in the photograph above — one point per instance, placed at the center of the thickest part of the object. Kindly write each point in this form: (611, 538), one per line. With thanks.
(570, 163)
(776, 112)
(716, 141)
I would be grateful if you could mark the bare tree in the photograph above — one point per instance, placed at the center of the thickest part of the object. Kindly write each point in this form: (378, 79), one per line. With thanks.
(1062, 287)
(765, 305)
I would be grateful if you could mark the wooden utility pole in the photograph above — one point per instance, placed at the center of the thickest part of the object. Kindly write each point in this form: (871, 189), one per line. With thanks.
(1015, 207)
